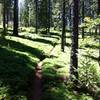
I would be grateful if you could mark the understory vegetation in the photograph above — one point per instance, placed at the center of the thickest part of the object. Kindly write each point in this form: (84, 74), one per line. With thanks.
(49, 49)
(19, 56)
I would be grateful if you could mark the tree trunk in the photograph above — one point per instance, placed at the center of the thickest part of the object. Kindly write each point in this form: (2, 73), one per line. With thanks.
(83, 19)
(70, 18)
(98, 12)
(7, 17)
(15, 27)
(74, 51)
(46, 16)
(49, 15)
(4, 16)
(63, 28)
(36, 1)
(99, 46)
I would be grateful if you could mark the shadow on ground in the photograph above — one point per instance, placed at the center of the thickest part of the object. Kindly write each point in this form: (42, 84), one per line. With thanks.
(93, 57)
(92, 46)
(16, 74)
(50, 36)
(41, 40)
(44, 41)
(22, 48)
(57, 34)
(68, 44)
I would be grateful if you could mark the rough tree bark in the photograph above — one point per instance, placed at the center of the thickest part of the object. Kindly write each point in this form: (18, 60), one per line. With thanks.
(49, 15)
(83, 19)
(36, 4)
(15, 26)
(70, 18)
(98, 7)
(63, 28)
(98, 13)
(74, 51)
(4, 16)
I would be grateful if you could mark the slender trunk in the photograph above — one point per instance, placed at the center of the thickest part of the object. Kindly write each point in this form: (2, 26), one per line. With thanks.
(74, 51)
(15, 27)
(36, 1)
(29, 17)
(98, 12)
(70, 18)
(83, 20)
(4, 16)
(46, 16)
(63, 28)
(7, 17)
(90, 32)
(96, 31)
(49, 15)
(99, 46)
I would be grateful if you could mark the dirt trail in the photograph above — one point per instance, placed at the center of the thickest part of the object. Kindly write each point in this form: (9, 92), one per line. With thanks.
(37, 84)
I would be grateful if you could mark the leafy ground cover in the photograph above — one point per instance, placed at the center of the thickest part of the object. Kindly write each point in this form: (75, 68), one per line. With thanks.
(19, 56)
(18, 60)
(58, 66)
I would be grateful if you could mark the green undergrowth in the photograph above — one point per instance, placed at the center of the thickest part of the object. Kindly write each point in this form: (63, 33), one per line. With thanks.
(12, 66)
(19, 56)
(59, 91)
(18, 59)
(57, 66)
(17, 63)
(57, 63)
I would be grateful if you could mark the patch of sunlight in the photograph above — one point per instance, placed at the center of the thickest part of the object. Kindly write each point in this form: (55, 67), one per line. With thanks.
(42, 46)
(63, 71)
(27, 29)
(1, 26)
(31, 58)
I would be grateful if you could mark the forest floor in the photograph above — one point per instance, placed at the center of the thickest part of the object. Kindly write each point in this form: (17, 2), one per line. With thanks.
(20, 55)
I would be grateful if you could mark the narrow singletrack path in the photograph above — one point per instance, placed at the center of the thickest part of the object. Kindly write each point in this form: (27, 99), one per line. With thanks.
(37, 83)
(37, 86)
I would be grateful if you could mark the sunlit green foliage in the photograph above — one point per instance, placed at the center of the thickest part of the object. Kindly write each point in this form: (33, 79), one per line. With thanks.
(90, 23)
